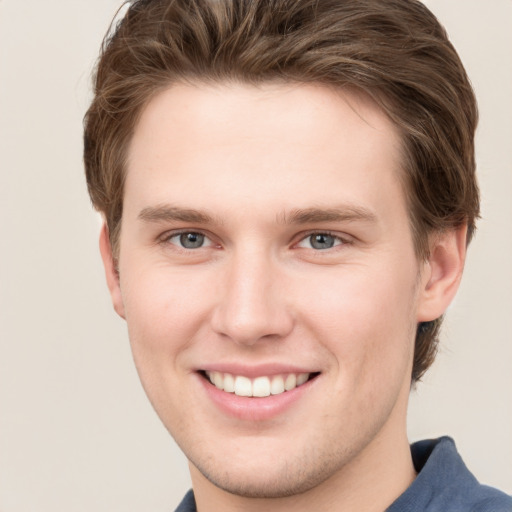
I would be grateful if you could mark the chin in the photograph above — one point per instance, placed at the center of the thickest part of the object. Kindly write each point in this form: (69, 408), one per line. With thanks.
(277, 484)
(278, 477)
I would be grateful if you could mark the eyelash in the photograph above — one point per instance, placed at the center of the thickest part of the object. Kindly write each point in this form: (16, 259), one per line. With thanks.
(339, 240)
(166, 239)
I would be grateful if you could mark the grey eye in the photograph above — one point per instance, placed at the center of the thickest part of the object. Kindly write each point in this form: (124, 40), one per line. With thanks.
(191, 240)
(322, 241)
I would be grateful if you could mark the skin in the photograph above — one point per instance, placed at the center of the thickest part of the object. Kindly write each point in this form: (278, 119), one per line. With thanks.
(258, 292)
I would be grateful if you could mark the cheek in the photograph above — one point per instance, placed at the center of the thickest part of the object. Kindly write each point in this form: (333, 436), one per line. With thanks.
(163, 314)
(365, 318)
(163, 310)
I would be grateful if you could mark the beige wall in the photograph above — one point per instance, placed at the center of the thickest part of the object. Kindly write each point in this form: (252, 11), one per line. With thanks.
(76, 431)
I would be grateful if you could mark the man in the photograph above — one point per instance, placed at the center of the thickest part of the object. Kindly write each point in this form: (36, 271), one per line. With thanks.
(288, 188)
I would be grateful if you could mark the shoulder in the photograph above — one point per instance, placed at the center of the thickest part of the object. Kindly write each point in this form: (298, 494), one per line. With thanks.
(445, 483)
(496, 501)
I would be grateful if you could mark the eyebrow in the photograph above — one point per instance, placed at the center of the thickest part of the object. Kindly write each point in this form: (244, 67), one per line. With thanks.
(168, 213)
(347, 213)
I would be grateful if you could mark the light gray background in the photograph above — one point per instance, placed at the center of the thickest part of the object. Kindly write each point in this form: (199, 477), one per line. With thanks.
(76, 432)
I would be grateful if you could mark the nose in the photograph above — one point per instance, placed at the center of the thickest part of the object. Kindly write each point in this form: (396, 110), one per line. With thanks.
(252, 304)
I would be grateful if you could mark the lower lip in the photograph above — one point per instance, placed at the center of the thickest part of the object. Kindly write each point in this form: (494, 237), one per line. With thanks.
(255, 408)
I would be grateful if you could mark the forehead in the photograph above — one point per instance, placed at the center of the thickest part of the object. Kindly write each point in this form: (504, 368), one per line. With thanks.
(184, 112)
(310, 143)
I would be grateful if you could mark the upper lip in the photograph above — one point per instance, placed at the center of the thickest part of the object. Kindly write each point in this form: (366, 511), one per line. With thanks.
(253, 371)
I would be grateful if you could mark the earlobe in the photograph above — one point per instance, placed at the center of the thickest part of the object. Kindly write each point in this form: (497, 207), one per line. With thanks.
(111, 272)
(442, 273)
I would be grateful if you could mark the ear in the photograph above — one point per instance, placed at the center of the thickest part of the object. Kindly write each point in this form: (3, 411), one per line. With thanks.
(111, 272)
(442, 273)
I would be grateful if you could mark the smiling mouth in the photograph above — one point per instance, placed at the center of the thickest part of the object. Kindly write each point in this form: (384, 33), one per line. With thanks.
(260, 386)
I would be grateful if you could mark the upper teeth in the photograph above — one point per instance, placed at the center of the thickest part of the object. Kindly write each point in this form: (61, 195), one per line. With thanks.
(260, 386)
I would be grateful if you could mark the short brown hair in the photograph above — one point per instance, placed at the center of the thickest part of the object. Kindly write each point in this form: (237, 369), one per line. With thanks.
(394, 50)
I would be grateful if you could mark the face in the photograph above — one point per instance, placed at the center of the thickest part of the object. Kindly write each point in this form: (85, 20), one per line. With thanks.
(269, 281)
